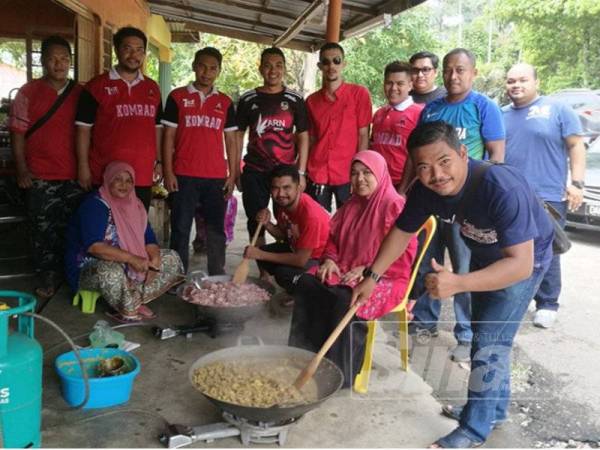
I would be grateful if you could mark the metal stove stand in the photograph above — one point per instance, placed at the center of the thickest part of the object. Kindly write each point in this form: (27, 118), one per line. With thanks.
(250, 432)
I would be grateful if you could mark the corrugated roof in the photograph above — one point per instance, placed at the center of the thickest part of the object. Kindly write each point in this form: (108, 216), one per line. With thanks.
(298, 24)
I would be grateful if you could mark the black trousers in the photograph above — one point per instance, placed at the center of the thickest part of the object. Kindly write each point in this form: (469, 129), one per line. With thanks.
(284, 274)
(256, 194)
(324, 194)
(209, 191)
(144, 193)
(317, 311)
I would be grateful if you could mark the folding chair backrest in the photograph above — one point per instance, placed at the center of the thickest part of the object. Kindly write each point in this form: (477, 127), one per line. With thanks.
(428, 228)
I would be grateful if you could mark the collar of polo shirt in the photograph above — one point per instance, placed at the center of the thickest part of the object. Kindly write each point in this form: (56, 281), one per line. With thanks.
(403, 105)
(114, 75)
(191, 89)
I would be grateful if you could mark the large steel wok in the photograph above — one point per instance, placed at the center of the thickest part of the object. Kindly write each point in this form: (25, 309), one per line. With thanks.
(224, 314)
(328, 377)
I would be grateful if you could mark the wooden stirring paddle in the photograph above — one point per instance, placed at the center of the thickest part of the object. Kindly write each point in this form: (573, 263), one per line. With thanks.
(311, 368)
(241, 273)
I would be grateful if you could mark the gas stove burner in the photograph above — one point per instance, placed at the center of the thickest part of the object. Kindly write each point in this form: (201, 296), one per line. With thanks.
(260, 432)
(250, 432)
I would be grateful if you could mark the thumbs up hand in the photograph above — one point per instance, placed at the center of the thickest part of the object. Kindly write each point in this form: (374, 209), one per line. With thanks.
(441, 283)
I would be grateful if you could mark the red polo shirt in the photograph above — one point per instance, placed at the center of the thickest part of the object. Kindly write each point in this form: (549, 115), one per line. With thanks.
(307, 227)
(392, 126)
(200, 121)
(50, 150)
(124, 117)
(334, 126)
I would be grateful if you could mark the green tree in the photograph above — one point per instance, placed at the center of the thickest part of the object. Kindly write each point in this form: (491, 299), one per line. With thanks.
(240, 64)
(559, 37)
(367, 55)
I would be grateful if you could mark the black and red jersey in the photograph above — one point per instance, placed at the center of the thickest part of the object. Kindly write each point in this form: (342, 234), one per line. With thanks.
(200, 121)
(124, 117)
(273, 119)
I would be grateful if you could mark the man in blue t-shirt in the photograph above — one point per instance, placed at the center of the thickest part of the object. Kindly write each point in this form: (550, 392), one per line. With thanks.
(478, 123)
(542, 136)
(510, 237)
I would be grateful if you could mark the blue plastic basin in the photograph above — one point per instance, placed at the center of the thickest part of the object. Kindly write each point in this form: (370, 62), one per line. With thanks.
(104, 392)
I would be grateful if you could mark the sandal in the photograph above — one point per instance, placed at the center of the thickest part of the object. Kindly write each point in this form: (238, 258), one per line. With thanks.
(454, 411)
(44, 292)
(50, 283)
(456, 439)
(146, 313)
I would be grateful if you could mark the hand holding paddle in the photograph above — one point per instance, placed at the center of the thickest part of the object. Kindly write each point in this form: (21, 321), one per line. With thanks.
(241, 273)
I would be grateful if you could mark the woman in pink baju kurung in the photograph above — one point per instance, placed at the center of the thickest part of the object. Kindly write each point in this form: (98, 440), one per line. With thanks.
(323, 294)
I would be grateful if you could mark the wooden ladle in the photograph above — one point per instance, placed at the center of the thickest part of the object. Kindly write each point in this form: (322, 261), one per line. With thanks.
(241, 273)
(312, 367)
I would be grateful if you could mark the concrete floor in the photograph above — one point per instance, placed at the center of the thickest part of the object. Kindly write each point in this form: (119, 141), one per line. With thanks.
(400, 410)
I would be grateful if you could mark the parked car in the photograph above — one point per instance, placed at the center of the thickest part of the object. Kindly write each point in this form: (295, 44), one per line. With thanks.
(587, 216)
(586, 103)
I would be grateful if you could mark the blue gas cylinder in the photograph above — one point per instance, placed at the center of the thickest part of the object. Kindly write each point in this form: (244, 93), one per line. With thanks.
(20, 373)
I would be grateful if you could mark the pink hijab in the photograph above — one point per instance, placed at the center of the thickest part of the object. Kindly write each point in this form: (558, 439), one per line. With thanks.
(129, 214)
(360, 225)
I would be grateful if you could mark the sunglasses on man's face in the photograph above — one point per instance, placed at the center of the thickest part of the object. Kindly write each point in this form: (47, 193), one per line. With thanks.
(335, 61)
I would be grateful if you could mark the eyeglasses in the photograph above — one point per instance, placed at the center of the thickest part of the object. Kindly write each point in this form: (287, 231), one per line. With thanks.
(423, 70)
(336, 61)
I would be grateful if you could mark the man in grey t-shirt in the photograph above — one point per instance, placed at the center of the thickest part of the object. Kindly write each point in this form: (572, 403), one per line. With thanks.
(424, 71)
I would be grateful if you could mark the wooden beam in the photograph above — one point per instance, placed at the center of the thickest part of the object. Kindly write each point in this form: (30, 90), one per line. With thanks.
(232, 3)
(204, 12)
(208, 15)
(334, 20)
(250, 36)
(298, 24)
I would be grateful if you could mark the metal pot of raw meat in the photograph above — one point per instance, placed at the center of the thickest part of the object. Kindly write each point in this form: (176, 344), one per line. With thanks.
(224, 314)
(328, 379)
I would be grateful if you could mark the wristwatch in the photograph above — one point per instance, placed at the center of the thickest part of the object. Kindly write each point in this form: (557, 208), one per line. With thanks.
(302, 172)
(578, 184)
(368, 273)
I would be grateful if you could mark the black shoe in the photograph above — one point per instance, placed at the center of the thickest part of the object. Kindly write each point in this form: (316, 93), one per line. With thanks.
(415, 328)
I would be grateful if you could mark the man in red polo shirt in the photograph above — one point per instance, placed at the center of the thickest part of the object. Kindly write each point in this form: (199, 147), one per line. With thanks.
(393, 123)
(44, 151)
(302, 229)
(199, 120)
(339, 116)
(118, 118)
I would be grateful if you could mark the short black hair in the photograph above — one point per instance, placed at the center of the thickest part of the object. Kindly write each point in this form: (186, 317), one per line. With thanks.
(272, 51)
(460, 51)
(209, 51)
(331, 46)
(422, 55)
(395, 67)
(285, 170)
(430, 132)
(54, 40)
(126, 32)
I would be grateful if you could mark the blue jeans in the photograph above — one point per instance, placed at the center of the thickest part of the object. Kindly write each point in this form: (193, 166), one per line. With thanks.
(427, 310)
(549, 291)
(209, 192)
(496, 318)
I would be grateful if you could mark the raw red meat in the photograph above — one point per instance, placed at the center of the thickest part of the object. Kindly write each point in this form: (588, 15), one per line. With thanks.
(225, 294)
